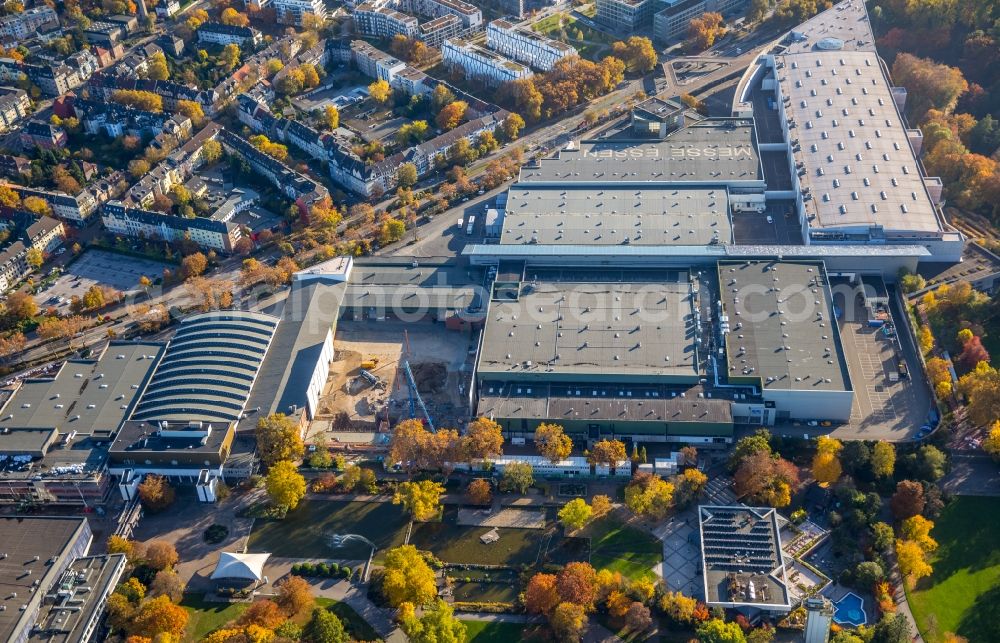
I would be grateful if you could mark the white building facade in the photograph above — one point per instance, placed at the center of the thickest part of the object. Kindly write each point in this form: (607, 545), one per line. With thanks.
(526, 46)
(481, 63)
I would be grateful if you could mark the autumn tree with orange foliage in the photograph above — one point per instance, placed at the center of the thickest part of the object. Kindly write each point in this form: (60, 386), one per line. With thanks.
(159, 616)
(451, 114)
(766, 479)
(294, 596)
(479, 492)
(577, 583)
(704, 30)
(541, 595)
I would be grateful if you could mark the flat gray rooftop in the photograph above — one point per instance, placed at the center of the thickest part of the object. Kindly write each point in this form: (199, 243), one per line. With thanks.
(742, 558)
(85, 584)
(86, 396)
(585, 401)
(782, 328)
(613, 216)
(29, 543)
(711, 152)
(852, 141)
(637, 331)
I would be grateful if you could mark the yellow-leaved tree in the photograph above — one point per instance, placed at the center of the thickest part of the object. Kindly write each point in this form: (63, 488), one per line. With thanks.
(408, 578)
(421, 499)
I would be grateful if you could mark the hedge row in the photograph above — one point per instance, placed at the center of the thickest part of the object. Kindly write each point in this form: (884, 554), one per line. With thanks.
(324, 570)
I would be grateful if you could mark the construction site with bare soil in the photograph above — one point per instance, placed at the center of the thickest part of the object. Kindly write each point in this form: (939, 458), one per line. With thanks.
(368, 388)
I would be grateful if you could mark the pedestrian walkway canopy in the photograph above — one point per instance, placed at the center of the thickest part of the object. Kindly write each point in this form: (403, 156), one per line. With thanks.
(241, 566)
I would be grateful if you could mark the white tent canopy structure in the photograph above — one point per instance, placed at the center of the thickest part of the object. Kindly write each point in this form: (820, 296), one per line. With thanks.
(241, 566)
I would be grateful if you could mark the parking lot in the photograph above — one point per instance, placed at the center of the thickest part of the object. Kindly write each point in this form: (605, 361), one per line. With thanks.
(752, 228)
(99, 267)
(882, 409)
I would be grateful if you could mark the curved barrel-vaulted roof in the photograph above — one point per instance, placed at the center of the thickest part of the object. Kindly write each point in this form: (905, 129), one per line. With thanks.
(209, 368)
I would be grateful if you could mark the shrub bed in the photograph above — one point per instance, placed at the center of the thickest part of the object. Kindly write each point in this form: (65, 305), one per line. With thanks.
(322, 570)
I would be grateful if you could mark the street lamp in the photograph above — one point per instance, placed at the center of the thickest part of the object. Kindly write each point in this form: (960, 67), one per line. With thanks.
(340, 540)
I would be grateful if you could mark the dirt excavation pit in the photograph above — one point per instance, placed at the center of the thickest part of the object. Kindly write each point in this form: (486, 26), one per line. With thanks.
(439, 359)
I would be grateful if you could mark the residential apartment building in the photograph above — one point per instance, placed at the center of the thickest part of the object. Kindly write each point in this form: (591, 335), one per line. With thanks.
(21, 26)
(293, 12)
(435, 32)
(298, 187)
(384, 22)
(120, 219)
(470, 15)
(220, 34)
(68, 207)
(175, 169)
(13, 167)
(104, 83)
(14, 105)
(625, 15)
(45, 234)
(481, 63)
(672, 22)
(375, 62)
(53, 80)
(116, 120)
(526, 46)
(13, 265)
(168, 8)
(84, 62)
(43, 135)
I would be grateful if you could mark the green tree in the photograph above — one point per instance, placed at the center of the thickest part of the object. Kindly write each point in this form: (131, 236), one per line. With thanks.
(758, 10)
(407, 175)
(568, 622)
(575, 514)
(285, 485)
(278, 438)
(756, 443)
(517, 476)
(718, 631)
(882, 536)
(437, 624)
(883, 459)
(325, 627)
(649, 495)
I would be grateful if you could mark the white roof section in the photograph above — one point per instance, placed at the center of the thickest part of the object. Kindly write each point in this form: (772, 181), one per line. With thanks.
(334, 270)
(243, 566)
(652, 215)
(851, 140)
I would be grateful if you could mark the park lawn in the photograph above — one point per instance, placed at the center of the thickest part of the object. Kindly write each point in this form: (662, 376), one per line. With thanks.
(964, 590)
(460, 545)
(561, 26)
(305, 531)
(357, 627)
(205, 617)
(493, 632)
(618, 547)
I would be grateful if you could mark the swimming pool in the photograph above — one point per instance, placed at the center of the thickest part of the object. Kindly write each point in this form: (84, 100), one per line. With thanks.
(850, 610)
